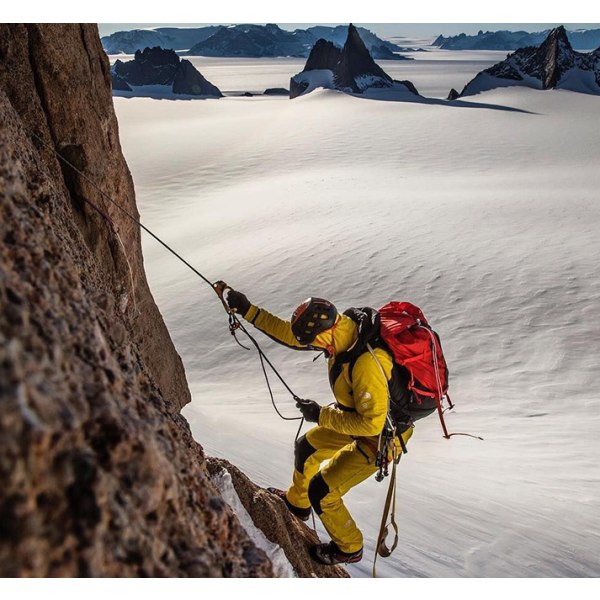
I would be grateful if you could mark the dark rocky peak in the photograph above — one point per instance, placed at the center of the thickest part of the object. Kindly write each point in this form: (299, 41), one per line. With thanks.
(351, 69)
(356, 60)
(157, 66)
(555, 55)
(153, 66)
(324, 55)
(188, 80)
(118, 83)
(553, 64)
(157, 56)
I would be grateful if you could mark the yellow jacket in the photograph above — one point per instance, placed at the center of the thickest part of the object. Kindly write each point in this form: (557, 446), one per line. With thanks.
(362, 405)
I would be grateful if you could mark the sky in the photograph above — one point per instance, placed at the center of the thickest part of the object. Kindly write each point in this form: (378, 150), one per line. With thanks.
(382, 29)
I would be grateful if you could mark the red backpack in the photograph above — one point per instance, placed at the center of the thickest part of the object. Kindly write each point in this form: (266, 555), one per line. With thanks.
(417, 348)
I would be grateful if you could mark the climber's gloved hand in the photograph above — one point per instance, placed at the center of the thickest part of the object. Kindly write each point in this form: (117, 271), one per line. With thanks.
(238, 302)
(310, 410)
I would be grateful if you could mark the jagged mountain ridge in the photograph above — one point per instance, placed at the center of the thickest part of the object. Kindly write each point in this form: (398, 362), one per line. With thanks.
(351, 69)
(244, 40)
(157, 66)
(552, 65)
(100, 475)
(511, 40)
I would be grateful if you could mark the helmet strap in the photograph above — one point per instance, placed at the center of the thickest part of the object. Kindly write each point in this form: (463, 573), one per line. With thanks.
(331, 348)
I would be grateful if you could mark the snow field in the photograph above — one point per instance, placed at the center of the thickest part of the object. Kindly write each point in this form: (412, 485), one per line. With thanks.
(483, 213)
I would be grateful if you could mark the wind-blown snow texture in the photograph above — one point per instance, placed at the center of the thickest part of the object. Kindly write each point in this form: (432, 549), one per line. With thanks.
(485, 217)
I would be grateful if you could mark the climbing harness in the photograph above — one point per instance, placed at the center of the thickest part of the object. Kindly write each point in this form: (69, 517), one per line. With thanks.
(218, 287)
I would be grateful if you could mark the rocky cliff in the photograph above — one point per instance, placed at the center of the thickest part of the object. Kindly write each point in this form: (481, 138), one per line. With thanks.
(99, 473)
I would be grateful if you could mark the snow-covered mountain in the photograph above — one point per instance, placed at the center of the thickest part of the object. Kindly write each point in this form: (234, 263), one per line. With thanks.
(245, 40)
(552, 65)
(510, 40)
(351, 69)
(175, 38)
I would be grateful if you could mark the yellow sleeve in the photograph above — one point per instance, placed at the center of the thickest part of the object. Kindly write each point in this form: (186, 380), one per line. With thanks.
(370, 393)
(276, 328)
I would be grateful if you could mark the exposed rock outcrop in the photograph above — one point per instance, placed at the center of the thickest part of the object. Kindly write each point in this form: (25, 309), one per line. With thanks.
(552, 65)
(277, 523)
(152, 66)
(188, 80)
(99, 473)
(324, 55)
(118, 83)
(157, 66)
(276, 92)
(351, 69)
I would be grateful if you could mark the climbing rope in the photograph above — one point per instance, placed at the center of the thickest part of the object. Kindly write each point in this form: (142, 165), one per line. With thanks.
(218, 287)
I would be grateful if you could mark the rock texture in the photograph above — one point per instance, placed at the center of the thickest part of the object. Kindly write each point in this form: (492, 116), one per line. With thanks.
(188, 80)
(49, 74)
(554, 64)
(277, 523)
(156, 66)
(324, 55)
(351, 69)
(152, 66)
(99, 473)
(118, 83)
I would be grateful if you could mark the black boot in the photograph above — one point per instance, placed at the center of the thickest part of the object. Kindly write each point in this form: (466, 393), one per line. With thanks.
(330, 554)
(301, 513)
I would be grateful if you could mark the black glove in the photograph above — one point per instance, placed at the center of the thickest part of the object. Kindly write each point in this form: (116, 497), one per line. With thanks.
(238, 302)
(310, 410)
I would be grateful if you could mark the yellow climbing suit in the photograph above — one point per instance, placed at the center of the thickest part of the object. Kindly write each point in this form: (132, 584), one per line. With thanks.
(347, 434)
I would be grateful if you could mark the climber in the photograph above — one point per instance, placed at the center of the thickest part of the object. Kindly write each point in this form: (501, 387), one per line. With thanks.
(347, 434)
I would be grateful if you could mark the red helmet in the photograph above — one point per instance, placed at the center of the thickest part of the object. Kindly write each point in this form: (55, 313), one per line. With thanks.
(311, 318)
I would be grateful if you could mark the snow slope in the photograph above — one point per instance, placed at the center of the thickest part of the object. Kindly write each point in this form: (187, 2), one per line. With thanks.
(485, 217)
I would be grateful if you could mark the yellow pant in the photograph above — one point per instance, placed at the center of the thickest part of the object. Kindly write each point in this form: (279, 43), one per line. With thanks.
(350, 462)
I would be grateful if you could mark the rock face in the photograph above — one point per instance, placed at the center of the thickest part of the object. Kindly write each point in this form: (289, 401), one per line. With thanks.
(554, 64)
(118, 83)
(153, 66)
(156, 66)
(351, 69)
(36, 67)
(277, 523)
(276, 92)
(324, 55)
(99, 473)
(356, 65)
(188, 80)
